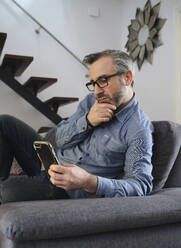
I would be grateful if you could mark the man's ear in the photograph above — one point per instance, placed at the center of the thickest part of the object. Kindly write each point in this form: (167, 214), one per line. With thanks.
(128, 78)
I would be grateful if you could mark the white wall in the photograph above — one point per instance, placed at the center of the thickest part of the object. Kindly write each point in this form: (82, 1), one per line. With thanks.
(157, 86)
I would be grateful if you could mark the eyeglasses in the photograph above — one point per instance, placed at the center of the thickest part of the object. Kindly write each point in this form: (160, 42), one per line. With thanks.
(102, 81)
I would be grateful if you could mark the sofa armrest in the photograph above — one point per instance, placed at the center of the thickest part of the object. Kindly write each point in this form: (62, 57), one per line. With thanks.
(67, 218)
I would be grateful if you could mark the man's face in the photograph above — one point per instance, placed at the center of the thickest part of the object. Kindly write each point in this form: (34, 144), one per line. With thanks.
(115, 92)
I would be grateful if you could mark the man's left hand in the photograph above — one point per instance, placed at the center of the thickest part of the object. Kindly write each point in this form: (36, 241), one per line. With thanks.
(71, 177)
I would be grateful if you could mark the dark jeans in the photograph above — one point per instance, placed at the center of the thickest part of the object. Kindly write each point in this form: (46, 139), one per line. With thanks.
(16, 140)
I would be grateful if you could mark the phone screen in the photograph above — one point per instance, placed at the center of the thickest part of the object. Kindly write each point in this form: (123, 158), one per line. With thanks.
(45, 153)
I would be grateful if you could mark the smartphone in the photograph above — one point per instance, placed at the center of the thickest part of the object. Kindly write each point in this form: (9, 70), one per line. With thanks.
(45, 153)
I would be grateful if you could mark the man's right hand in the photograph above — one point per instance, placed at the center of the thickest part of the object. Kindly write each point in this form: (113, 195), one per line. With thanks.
(100, 112)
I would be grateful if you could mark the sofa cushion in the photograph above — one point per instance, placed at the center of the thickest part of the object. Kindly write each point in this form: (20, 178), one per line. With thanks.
(167, 143)
(69, 218)
(174, 178)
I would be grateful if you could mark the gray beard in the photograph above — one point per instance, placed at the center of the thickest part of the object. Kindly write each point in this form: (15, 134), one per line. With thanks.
(118, 99)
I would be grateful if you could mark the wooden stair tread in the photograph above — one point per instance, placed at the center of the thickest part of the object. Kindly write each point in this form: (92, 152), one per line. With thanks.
(62, 100)
(38, 84)
(44, 129)
(3, 37)
(55, 102)
(16, 64)
(42, 107)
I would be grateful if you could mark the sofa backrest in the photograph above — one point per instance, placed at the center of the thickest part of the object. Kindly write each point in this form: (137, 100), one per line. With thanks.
(166, 157)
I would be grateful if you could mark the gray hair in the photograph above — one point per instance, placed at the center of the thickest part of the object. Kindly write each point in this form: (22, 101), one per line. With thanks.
(121, 60)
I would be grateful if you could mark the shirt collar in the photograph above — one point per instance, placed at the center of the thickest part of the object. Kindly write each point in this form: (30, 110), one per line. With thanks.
(127, 110)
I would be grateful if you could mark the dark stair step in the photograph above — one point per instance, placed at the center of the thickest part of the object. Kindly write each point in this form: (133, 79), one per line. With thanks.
(56, 102)
(16, 64)
(3, 37)
(9, 80)
(37, 84)
(44, 129)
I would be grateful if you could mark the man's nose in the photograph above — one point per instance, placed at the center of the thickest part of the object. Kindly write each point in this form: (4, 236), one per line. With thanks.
(98, 90)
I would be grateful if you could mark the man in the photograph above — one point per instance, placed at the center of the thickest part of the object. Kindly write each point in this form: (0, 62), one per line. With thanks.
(105, 148)
(107, 137)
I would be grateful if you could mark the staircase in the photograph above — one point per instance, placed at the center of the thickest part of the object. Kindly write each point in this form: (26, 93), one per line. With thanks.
(15, 65)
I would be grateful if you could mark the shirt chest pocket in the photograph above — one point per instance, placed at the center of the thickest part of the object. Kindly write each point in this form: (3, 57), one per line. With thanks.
(114, 150)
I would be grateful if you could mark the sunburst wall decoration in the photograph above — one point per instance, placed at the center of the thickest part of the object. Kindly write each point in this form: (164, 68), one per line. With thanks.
(143, 35)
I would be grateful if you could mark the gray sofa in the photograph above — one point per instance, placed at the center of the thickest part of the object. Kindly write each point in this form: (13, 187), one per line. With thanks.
(130, 222)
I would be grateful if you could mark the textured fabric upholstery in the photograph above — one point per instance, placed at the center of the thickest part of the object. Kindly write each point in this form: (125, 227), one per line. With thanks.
(163, 236)
(167, 143)
(69, 218)
(174, 179)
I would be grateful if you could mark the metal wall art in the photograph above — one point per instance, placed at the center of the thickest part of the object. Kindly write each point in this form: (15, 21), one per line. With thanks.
(143, 35)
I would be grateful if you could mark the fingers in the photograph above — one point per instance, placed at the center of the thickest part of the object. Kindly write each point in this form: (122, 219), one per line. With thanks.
(108, 113)
(101, 112)
(71, 177)
(60, 175)
(108, 106)
(56, 175)
(57, 168)
(105, 117)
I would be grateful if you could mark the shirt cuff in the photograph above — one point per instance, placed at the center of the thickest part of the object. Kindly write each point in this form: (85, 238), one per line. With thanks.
(105, 187)
(83, 125)
(88, 122)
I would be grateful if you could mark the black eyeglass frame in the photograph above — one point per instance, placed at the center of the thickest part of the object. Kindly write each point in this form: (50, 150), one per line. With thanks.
(103, 77)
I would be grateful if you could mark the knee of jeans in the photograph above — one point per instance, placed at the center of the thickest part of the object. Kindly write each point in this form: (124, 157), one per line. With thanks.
(2, 200)
(5, 119)
(8, 191)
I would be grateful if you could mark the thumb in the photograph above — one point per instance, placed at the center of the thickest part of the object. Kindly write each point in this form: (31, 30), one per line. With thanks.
(69, 165)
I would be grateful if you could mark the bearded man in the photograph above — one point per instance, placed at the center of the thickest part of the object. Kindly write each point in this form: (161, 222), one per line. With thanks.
(104, 148)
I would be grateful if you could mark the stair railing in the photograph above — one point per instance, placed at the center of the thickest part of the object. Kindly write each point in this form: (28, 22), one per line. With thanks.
(49, 33)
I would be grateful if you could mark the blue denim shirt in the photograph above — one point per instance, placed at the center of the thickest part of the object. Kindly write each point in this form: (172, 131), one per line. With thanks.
(118, 152)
